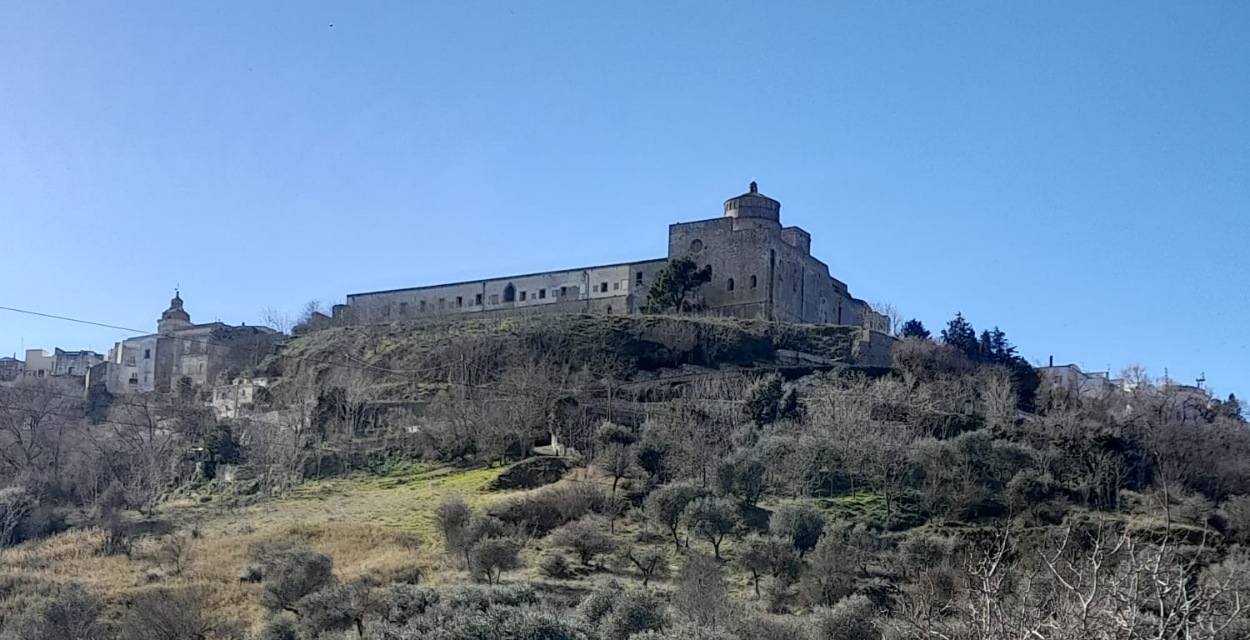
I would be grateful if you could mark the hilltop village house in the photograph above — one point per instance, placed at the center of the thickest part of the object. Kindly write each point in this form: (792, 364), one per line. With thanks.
(200, 354)
(760, 269)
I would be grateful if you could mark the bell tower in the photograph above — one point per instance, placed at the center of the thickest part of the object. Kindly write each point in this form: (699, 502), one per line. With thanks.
(174, 318)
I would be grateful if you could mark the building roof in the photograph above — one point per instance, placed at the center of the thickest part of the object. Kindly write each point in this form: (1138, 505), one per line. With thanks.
(503, 278)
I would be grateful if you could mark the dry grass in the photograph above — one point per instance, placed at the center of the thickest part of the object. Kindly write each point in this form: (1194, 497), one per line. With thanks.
(375, 526)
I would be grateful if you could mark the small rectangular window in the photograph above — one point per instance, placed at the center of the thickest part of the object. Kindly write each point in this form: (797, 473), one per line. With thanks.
(494, 298)
(459, 301)
(477, 300)
(638, 277)
(423, 305)
(147, 354)
(564, 291)
(542, 293)
(442, 303)
(603, 287)
(523, 296)
(616, 286)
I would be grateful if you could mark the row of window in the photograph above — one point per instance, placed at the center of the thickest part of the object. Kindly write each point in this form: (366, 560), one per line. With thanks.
(729, 284)
(510, 294)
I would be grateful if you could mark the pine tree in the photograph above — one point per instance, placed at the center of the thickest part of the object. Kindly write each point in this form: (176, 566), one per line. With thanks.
(960, 335)
(672, 286)
(915, 329)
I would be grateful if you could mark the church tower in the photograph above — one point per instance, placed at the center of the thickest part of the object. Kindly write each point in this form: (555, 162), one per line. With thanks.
(174, 318)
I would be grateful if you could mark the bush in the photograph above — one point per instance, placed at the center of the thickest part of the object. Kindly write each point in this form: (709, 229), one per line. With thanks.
(281, 626)
(452, 520)
(539, 512)
(490, 557)
(849, 619)
(701, 594)
(634, 612)
(799, 522)
(556, 566)
(405, 601)
(335, 607)
(293, 574)
(16, 504)
(166, 614)
(71, 614)
(482, 598)
(588, 538)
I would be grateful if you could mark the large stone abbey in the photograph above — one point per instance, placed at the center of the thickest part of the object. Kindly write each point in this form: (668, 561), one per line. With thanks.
(760, 269)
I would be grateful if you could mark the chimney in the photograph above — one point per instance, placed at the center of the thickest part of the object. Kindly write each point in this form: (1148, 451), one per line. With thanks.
(1052, 361)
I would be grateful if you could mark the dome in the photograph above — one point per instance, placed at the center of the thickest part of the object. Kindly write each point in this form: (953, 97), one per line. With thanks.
(753, 204)
(175, 317)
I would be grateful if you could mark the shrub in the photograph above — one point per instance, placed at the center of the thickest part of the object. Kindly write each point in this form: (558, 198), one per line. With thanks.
(490, 557)
(281, 626)
(539, 512)
(72, 613)
(701, 594)
(292, 575)
(335, 607)
(452, 520)
(482, 598)
(405, 601)
(1236, 512)
(634, 612)
(556, 566)
(849, 619)
(16, 504)
(588, 538)
(799, 522)
(166, 614)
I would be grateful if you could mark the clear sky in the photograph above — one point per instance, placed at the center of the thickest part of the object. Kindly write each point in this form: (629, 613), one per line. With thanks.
(1076, 173)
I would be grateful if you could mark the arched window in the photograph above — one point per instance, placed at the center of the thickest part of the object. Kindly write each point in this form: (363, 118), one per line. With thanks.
(753, 282)
(509, 293)
(730, 284)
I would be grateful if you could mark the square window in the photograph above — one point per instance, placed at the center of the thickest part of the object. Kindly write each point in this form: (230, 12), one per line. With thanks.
(494, 298)
(616, 286)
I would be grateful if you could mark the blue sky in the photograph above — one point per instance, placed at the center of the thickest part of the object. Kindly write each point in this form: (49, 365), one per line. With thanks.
(1076, 173)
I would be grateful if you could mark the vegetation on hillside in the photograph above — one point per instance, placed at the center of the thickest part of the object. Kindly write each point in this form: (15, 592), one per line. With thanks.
(955, 496)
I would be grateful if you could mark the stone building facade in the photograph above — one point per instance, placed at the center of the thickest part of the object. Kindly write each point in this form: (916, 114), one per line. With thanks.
(760, 269)
(203, 354)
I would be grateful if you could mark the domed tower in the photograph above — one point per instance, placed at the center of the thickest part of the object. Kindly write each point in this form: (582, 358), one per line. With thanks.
(753, 209)
(174, 318)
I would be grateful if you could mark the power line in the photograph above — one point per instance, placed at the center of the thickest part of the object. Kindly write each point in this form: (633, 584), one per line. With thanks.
(491, 386)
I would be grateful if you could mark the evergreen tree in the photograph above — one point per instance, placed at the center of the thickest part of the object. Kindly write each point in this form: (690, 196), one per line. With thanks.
(915, 329)
(673, 285)
(960, 335)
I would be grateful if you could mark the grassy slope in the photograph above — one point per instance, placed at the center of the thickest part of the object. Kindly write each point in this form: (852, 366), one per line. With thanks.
(369, 525)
